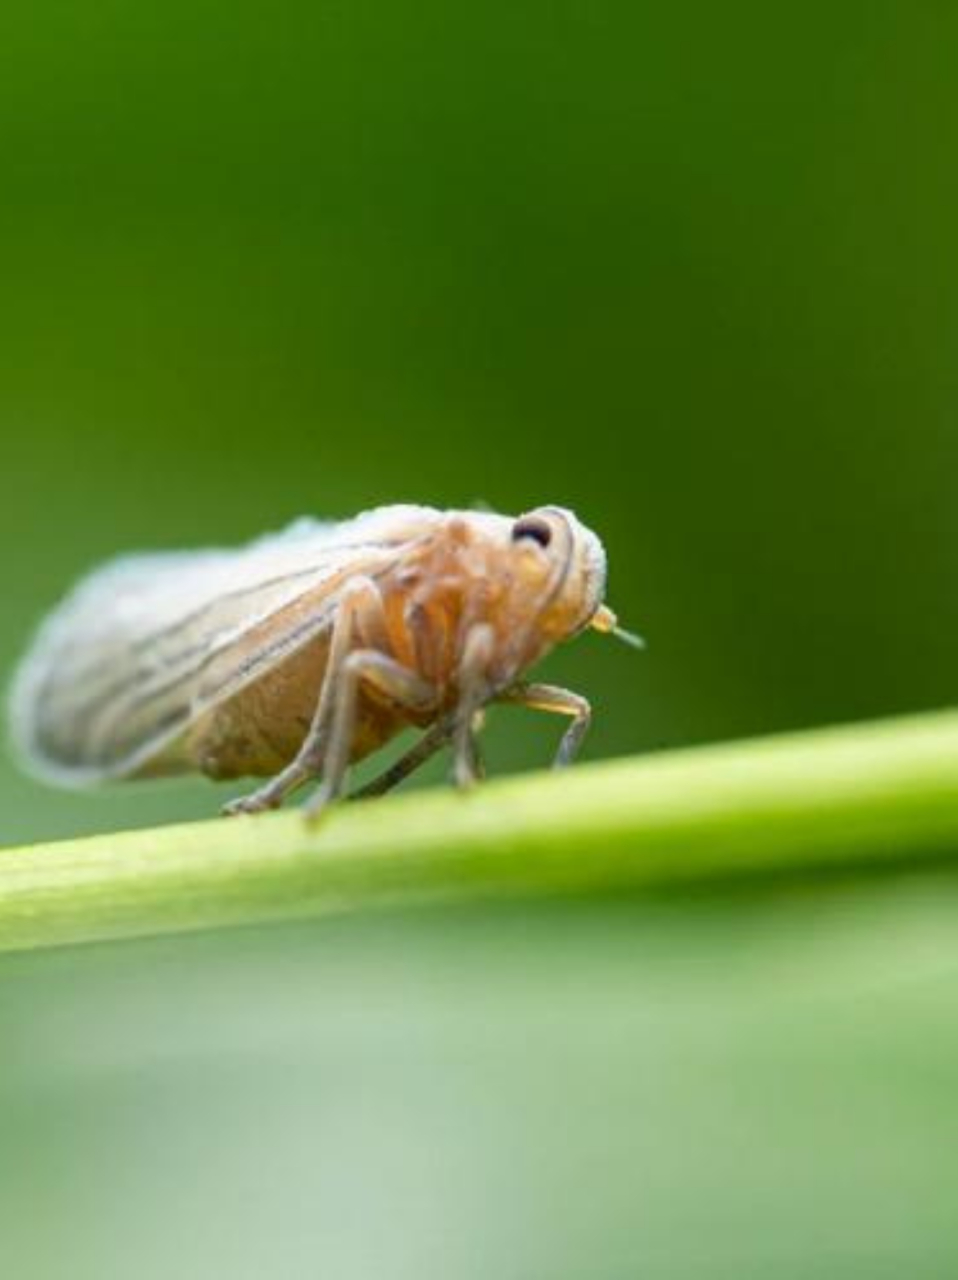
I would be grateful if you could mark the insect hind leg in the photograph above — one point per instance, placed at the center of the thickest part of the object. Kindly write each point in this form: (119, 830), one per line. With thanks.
(418, 754)
(272, 794)
(359, 609)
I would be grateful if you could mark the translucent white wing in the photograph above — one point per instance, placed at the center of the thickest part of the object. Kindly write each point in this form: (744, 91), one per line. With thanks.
(147, 644)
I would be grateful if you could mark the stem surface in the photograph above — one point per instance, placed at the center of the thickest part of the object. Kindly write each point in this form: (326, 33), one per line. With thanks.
(863, 795)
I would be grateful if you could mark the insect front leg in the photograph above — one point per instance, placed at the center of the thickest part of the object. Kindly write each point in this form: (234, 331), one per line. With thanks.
(477, 653)
(360, 609)
(401, 686)
(549, 697)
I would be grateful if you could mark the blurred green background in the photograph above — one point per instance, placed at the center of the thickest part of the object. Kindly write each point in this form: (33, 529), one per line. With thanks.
(691, 270)
(717, 1087)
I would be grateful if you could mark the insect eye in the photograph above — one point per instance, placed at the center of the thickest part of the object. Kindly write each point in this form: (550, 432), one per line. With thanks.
(532, 527)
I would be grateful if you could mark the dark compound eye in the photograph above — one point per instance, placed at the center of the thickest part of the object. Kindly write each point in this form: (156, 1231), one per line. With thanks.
(533, 527)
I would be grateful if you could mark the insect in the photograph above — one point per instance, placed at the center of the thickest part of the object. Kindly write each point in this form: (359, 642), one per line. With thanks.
(305, 651)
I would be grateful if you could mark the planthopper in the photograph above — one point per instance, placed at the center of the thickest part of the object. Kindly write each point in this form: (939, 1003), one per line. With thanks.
(307, 650)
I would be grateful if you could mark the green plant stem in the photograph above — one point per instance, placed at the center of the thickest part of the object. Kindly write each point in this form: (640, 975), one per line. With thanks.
(861, 795)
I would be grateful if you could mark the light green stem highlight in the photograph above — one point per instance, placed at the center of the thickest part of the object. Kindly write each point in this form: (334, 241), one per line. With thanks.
(861, 795)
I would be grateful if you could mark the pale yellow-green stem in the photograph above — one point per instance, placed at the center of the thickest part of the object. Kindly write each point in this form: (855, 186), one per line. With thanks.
(863, 795)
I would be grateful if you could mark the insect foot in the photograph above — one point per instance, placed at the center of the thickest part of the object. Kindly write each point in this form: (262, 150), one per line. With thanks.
(254, 803)
(318, 805)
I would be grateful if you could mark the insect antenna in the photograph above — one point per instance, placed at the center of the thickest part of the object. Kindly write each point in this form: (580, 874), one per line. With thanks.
(604, 620)
(631, 638)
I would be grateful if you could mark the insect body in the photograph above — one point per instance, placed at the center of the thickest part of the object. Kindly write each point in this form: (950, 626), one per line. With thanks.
(295, 656)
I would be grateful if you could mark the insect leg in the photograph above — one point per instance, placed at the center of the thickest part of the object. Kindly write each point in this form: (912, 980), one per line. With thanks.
(549, 697)
(477, 762)
(389, 677)
(360, 607)
(272, 794)
(473, 692)
(427, 746)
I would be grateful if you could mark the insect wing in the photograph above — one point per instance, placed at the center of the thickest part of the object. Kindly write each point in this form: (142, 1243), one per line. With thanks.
(146, 645)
